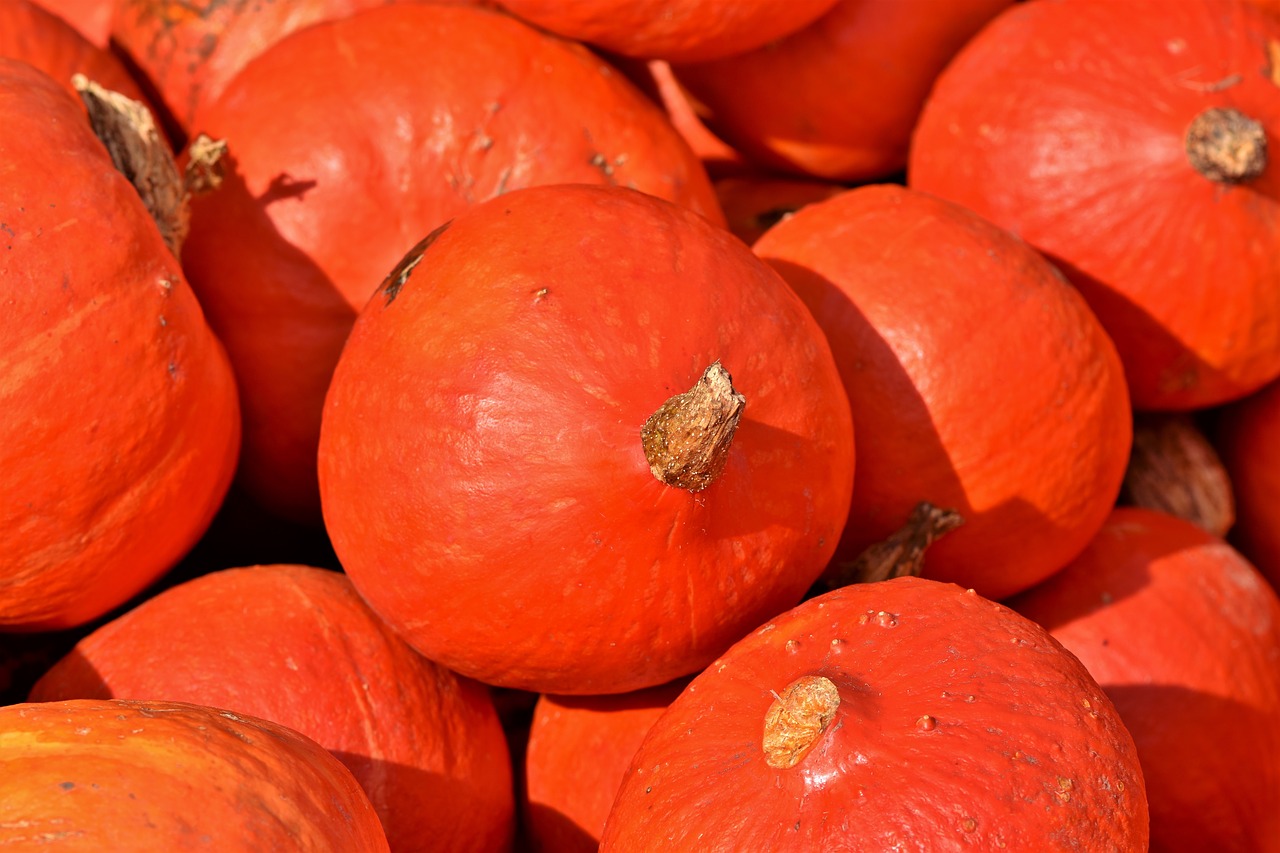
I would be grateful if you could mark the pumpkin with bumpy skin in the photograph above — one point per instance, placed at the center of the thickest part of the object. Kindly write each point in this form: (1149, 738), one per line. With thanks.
(1128, 142)
(119, 422)
(905, 714)
(88, 775)
(581, 440)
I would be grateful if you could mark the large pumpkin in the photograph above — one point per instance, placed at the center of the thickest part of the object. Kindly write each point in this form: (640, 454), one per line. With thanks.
(87, 776)
(980, 380)
(119, 425)
(35, 35)
(1184, 636)
(297, 646)
(1128, 141)
(333, 183)
(905, 714)
(581, 441)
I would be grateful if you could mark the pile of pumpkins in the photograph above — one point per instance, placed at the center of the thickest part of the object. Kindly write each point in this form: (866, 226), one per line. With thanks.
(628, 425)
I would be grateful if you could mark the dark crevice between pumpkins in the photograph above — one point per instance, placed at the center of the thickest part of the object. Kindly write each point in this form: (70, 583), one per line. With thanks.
(1174, 468)
(390, 287)
(899, 555)
(1226, 146)
(687, 439)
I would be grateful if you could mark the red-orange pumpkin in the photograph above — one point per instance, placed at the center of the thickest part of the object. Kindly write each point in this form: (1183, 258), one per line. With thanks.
(298, 646)
(500, 419)
(35, 35)
(1184, 636)
(979, 379)
(899, 715)
(87, 776)
(1127, 141)
(336, 177)
(90, 18)
(1247, 437)
(838, 99)
(120, 424)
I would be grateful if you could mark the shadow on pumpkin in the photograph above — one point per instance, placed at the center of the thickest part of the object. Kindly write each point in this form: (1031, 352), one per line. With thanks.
(547, 830)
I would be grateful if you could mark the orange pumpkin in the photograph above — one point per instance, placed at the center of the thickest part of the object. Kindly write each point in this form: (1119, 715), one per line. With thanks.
(1247, 437)
(37, 36)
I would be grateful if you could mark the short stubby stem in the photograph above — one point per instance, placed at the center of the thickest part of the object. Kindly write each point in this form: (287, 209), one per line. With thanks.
(687, 439)
(797, 718)
(1226, 146)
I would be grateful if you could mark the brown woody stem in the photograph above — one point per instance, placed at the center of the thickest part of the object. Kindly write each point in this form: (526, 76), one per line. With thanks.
(903, 552)
(687, 439)
(797, 718)
(1174, 469)
(1226, 146)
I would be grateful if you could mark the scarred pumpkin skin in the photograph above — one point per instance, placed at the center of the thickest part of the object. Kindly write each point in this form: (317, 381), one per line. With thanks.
(676, 30)
(838, 99)
(33, 34)
(325, 199)
(481, 464)
(1066, 122)
(297, 645)
(960, 725)
(153, 777)
(120, 424)
(579, 750)
(1247, 437)
(1184, 636)
(980, 380)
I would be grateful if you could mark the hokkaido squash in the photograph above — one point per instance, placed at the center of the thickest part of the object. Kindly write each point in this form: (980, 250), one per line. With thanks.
(1247, 437)
(35, 35)
(90, 18)
(608, 441)
(904, 714)
(1184, 636)
(297, 646)
(333, 183)
(86, 776)
(1128, 142)
(980, 380)
(119, 423)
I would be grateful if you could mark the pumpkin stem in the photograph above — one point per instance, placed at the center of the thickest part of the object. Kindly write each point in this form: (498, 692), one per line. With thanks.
(1173, 468)
(687, 439)
(797, 718)
(1226, 146)
(902, 553)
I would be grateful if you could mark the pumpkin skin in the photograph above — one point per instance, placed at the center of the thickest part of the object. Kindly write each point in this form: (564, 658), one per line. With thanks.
(960, 725)
(297, 645)
(1204, 709)
(92, 775)
(1085, 158)
(923, 303)
(324, 200)
(90, 18)
(1247, 437)
(838, 99)
(676, 30)
(121, 425)
(753, 204)
(35, 35)
(578, 753)
(507, 523)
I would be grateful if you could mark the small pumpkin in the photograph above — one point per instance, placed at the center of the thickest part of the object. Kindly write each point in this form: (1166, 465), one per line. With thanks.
(89, 775)
(627, 443)
(902, 714)
(1183, 634)
(1128, 142)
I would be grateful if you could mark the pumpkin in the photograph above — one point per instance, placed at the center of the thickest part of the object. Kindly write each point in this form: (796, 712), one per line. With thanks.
(296, 645)
(90, 18)
(91, 775)
(902, 714)
(683, 30)
(838, 99)
(1184, 636)
(925, 305)
(35, 35)
(325, 197)
(120, 423)
(578, 753)
(1127, 141)
(1247, 437)
(609, 440)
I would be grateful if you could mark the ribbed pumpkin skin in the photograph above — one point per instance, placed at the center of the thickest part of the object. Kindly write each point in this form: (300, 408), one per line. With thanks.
(481, 465)
(297, 645)
(1065, 122)
(837, 99)
(677, 30)
(1021, 750)
(31, 33)
(1184, 635)
(1247, 438)
(979, 379)
(578, 753)
(119, 424)
(87, 776)
(329, 196)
